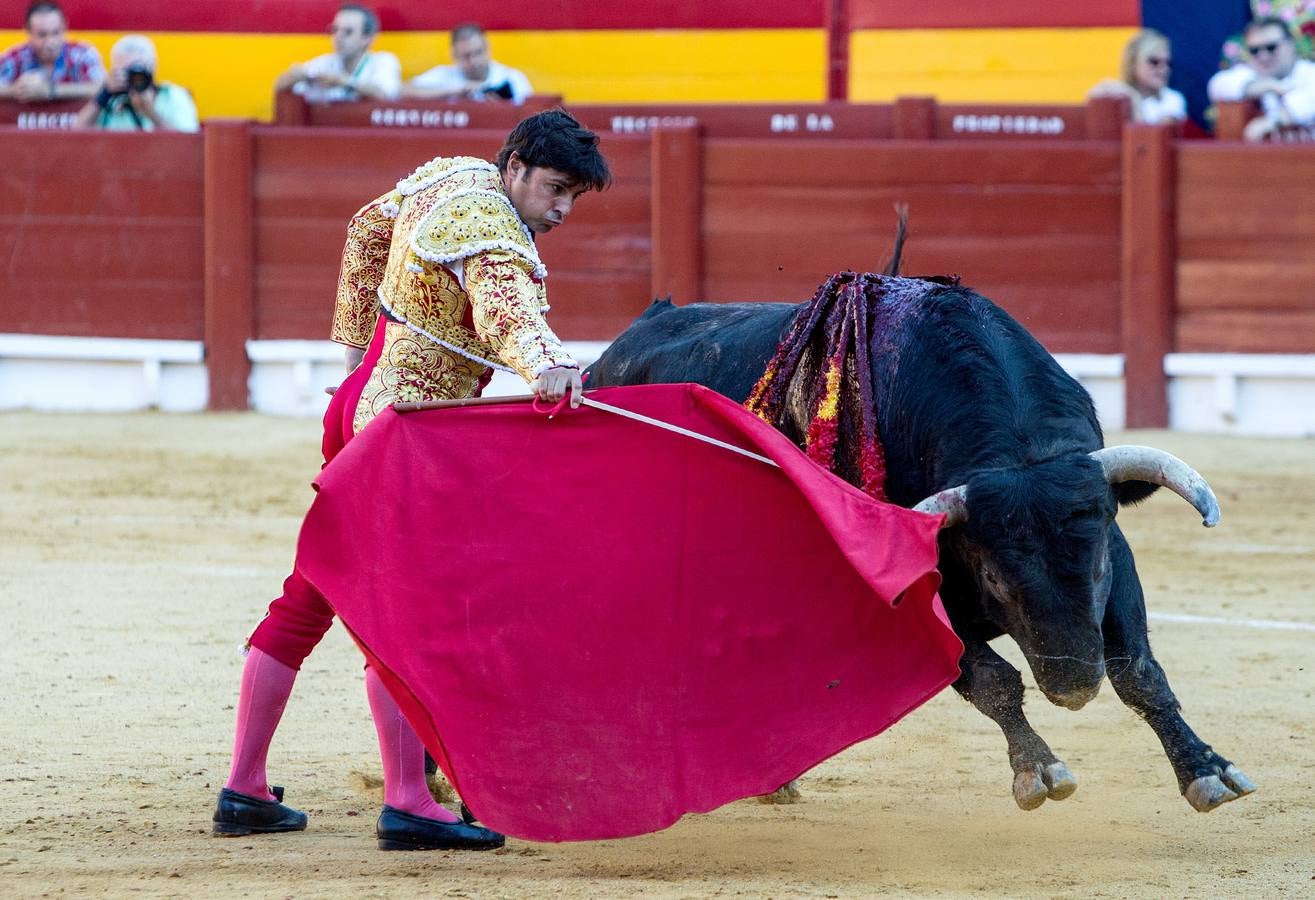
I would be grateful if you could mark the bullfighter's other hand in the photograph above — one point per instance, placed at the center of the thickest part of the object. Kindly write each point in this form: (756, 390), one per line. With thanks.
(555, 383)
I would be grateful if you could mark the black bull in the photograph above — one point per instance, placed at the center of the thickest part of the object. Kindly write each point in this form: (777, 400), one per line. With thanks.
(979, 421)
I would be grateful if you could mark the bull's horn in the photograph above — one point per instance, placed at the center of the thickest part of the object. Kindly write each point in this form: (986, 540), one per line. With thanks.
(953, 502)
(1132, 463)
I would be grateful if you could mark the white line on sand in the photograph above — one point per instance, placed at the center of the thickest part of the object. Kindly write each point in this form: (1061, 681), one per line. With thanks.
(1273, 624)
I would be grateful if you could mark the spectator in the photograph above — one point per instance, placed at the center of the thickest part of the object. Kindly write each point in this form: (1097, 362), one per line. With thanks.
(1271, 75)
(474, 76)
(49, 67)
(132, 100)
(1145, 81)
(352, 71)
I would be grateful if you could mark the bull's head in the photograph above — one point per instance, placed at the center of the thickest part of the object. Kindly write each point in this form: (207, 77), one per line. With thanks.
(1038, 543)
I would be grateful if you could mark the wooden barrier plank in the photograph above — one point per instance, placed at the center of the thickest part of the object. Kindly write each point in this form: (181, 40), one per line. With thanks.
(1148, 272)
(677, 263)
(1256, 286)
(229, 291)
(1243, 331)
(907, 163)
(105, 229)
(967, 211)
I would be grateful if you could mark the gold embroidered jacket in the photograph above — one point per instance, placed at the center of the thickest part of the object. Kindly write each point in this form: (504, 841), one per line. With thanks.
(446, 257)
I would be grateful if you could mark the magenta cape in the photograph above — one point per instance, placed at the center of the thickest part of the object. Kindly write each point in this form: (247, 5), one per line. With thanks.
(596, 625)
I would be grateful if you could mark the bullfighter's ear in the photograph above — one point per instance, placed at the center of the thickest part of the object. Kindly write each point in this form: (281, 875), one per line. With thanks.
(1130, 493)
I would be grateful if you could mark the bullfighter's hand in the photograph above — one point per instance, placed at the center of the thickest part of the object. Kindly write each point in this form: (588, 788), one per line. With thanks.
(554, 384)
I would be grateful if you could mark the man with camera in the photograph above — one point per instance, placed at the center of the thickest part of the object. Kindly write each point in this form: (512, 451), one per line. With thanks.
(49, 66)
(474, 75)
(132, 100)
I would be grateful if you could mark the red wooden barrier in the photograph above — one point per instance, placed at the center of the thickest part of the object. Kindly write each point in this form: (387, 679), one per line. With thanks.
(1245, 255)
(104, 234)
(1037, 231)
(101, 234)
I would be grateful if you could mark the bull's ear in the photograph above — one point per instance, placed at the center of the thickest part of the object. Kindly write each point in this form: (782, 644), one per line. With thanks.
(1130, 493)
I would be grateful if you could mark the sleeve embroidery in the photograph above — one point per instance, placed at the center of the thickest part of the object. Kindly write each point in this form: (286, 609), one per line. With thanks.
(369, 236)
(505, 310)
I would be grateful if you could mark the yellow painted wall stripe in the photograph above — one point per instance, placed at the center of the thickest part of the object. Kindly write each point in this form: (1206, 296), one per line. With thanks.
(1011, 65)
(233, 74)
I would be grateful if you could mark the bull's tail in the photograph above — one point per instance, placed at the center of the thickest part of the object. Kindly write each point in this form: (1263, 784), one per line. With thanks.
(901, 229)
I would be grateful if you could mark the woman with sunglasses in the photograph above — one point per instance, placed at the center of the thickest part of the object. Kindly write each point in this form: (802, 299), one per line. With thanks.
(1272, 75)
(1145, 81)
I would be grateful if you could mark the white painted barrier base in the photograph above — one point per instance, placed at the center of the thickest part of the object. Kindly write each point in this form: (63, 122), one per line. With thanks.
(1260, 394)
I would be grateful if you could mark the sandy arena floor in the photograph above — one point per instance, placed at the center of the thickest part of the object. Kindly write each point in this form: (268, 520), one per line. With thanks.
(138, 551)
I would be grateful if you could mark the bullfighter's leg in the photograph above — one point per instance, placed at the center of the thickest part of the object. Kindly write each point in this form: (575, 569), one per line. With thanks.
(991, 684)
(1205, 778)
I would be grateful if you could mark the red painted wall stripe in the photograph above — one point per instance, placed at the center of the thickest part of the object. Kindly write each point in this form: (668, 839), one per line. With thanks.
(995, 14)
(313, 16)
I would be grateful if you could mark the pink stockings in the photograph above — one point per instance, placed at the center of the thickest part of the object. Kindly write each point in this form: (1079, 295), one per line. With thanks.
(403, 756)
(266, 686)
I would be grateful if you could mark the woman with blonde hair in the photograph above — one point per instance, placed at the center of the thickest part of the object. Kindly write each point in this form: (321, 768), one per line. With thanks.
(1145, 81)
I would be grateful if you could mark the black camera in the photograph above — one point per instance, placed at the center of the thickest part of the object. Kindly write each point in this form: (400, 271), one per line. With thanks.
(503, 90)
(139, 78)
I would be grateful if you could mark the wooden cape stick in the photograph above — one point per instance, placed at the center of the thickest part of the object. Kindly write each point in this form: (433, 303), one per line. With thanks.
(421, 405)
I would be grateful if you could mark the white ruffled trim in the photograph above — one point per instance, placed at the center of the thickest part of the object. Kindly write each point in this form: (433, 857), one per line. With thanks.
(529, 251)
(413, 267)
(402, 320)
(544, 367)
(406, 187)
(390, 209)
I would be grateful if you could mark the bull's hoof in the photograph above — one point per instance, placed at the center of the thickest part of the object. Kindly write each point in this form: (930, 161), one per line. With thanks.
(1035, 786)
(1060, 783)
(785, 794)
(1029, 790)
(1209, 791)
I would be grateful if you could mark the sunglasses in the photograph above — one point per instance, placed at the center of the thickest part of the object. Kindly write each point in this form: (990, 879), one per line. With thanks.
(1157, 61)
(1257, 49)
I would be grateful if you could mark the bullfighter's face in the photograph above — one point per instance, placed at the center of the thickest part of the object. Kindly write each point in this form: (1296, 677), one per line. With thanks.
(543, 197)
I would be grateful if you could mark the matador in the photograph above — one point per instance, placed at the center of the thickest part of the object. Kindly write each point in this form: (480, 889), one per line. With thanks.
(441, 284)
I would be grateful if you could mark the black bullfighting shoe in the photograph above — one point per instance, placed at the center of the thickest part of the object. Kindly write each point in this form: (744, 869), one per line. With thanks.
(398, 830)
(239, 814)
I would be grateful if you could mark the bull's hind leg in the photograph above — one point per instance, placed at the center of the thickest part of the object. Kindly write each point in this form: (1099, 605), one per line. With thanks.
(1205, 778)
(992, 685)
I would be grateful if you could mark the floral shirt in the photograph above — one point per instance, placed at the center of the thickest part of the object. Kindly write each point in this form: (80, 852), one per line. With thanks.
(77, 64)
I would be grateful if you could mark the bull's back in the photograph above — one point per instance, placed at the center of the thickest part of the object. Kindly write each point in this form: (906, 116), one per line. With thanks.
(723, 346)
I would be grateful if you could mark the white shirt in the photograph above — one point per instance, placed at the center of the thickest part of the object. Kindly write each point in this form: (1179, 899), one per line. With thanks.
(1299, 101)
(1166, 106)
(450, 80)
(377, 69)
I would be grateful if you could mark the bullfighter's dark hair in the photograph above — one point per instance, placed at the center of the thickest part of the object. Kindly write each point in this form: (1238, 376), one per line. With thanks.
(370, 16)
(42, 6)
(1267, 22)
(554, 139)
(467, 30)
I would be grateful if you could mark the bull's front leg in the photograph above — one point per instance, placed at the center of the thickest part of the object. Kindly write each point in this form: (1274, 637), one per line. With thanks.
(1206, 779)
(992, 685)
